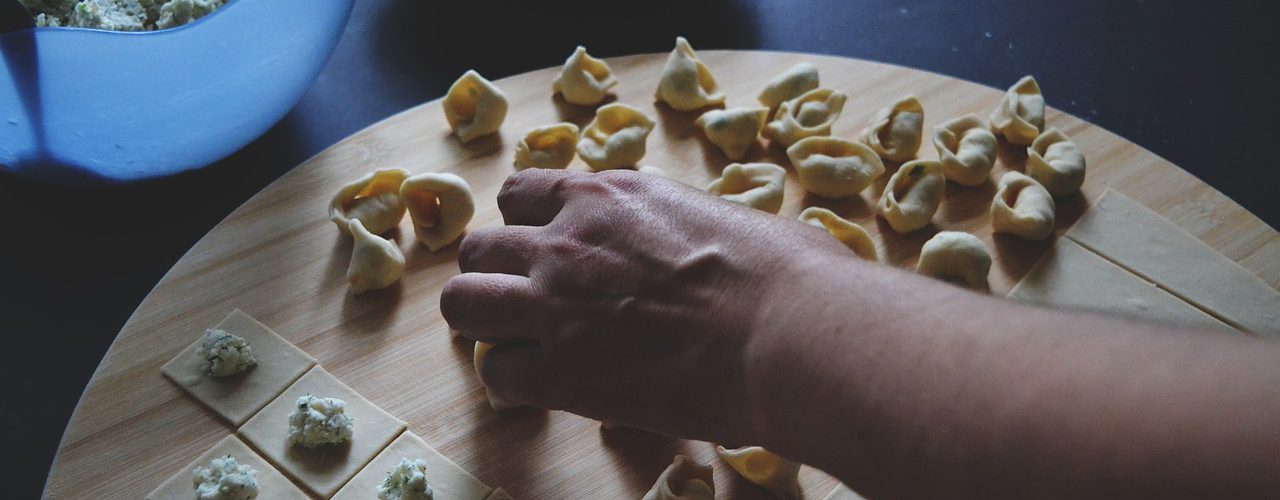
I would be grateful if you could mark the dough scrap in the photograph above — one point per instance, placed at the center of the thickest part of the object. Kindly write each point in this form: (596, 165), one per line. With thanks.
(912, 195)
(847, 232)
(834, 168)
(585, 80)
(957, 257)
(374, 198)
(809, 115)
(789, 84)
(1020, 114)
(764, 468)
(1022, 207)
(733, 130)
(271, 483)
(477, 358)
(966, 148)
(756, 185)
(447, 479)
(615, 138)
(1056, 163)
(474, 107)
(686, 84)
(551, 146)
(895, 132)
(684, 479)
(440, 205)
(376, 262)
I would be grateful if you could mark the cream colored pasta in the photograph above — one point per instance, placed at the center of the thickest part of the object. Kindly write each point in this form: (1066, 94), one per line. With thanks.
(477, 359)
(440, 205)
(895, 132)
(809, 115)
(615, 138)
(686, 84)
(374, 198)
(849, 233)
(1022, 207)
(788, 85)
(585, 80)
(375, 262)
(733, 130)
(966, 149)
(684, 479)
(652, 170)
(474, 107)
(764, 468)
(834, 168)
(756, 185)
(1056, 163)
(913, 195)
(1020, 115)
(957, 257)
(552, 146)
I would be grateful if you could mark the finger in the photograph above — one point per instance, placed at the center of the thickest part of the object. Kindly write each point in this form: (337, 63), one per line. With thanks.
(503, 249)
(517, 373)
(535, 196)
(494, 307)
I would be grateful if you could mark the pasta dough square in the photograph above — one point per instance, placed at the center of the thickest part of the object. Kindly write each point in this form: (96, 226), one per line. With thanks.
(842, 492)
(239, 396)
(325, 469)
(447, 479)
(271, 483)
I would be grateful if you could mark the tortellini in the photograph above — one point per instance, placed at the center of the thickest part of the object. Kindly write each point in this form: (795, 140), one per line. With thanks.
(684, 479)
(764, 468)
(474, 107)
(809, 115)
(585, 80)
(957, 257)
(552, 146)
(477, 359)
(1022, 207)
(1056, 163)
(895, 132)
(788, 85)
(756, 185)
(375, 262)
(686, 84)
(834, 168)
(615, 138)
(966, 149)
(846, 232)
(913, 195)
(374, 198)
(440, 205)
(1020, 115)
(733, 130)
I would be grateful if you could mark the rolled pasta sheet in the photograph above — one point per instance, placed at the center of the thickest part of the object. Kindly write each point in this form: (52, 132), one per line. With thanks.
(474, 107)
(686, 84)
(1022, 207)
(374, 198)
(441, 206)
(615, 138)
(912, 195)
(756, 185)
(761, 467)
(788, 85)
(552, 146)
(845, 231)
(375, 262)
(584, 80)
(896, 131)
(733, 130)
(956, 257)
(477, 360)
(1020, 114)
(834, 168)
(1056, 163)
(809, 115)
(966, 149)
(684, 479)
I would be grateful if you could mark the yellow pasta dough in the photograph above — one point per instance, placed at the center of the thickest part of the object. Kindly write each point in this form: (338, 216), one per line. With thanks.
(374, 198)
(585, 80)
(684, 479)
(615, 138)
(552, 146)
(477, 359)
(733, 130)
(756, 185)
(686, 84)
(1020, 114)
(849, 233)
(913, 195)
(895, 132)
(809, 115)
(1022, 207)
(788, 85)
(1056, 162)
(474, 107)
(957, 257)
(440, 205)
(764, 468)
(375, 261)
(834, 168)
(966, 149)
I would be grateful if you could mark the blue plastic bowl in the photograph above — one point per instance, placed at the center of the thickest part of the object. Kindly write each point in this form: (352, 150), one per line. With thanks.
(80, 105)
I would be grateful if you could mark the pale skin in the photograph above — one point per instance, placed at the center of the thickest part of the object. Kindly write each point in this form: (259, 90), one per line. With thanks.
(638, 300)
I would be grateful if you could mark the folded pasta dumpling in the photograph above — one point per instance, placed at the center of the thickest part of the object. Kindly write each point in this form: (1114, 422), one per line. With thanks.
(756, 185)
(913, 195)
(477, 359)
(1056, 163)
(374, 198)
(957, 257)
(788, 85)
(552, 146)
(966, 149)
(847, 232)
(764, 468)
(834, 168)
(809, 115)
(375, 262)
(686, 84)
(1020, 115)
(733, 130)
(1022, 207)
(474, 107)
(684, 479)
(440, 206)
(895, 132)
(615, 138)
(585, 80)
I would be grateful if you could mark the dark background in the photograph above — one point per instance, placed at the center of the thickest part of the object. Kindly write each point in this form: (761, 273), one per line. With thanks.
(1193, 83)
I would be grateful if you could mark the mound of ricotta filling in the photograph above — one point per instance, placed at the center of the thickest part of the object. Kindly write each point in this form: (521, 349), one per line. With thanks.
(225, 479)
(120, 15)
(319, 421)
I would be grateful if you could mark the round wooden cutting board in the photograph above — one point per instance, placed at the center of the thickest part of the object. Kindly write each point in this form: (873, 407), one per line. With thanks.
(280, 259)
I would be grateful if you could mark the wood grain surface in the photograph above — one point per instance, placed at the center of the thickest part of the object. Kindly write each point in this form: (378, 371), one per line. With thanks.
(279, 259)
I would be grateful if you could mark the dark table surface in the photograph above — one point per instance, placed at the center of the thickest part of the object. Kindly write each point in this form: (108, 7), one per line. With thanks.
(1192, 83)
